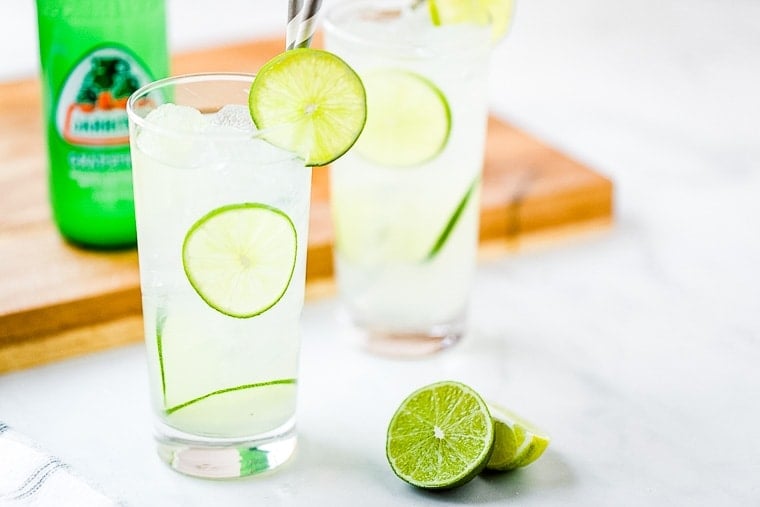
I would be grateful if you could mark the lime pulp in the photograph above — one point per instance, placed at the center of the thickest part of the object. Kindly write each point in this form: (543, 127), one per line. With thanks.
(408, 119)
(440, 436)
(240, 258)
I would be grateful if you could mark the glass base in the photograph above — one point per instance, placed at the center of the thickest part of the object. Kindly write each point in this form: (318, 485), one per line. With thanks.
(224, 458)
(408, 343)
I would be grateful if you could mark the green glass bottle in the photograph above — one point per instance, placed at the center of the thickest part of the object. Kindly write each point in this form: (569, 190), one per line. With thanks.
(93, 55)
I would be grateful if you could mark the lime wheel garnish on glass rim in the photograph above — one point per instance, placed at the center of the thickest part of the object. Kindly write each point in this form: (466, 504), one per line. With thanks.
(497, 13)
(310, 102)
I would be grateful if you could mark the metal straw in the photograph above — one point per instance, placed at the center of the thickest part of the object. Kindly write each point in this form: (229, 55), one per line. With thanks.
(291, 31)
(306, 21)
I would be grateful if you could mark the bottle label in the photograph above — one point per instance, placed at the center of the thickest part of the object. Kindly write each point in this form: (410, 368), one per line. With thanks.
(91, 108)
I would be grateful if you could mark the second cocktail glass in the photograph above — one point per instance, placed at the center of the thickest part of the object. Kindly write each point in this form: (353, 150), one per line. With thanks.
(405, 199)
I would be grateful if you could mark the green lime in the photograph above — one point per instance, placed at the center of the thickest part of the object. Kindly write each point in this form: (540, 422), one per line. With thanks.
(517, 443)
(240, 258)
(408, 119)
(310, 102)
(440, 436)
(496, 12)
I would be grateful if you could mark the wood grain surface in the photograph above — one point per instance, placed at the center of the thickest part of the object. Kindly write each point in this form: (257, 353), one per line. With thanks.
(57, 300)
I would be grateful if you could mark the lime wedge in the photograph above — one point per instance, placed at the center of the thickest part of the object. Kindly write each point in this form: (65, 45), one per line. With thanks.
(310, 102)
(518, 443)
(440, 436)
(496, 12)
(408, 119)
(240, 258)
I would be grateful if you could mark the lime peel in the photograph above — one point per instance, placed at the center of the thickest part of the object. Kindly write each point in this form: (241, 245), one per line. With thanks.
(173, 409)
(160, 321)
(453, 219)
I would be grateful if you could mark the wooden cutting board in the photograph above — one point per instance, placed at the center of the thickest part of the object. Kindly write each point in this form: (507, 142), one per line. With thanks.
(57, 300)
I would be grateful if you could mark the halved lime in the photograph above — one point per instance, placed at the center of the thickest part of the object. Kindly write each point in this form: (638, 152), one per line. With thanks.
(517, 443)
(310, 102)
(240, 258)
(408, 119)
(440, 436)
(497, 12)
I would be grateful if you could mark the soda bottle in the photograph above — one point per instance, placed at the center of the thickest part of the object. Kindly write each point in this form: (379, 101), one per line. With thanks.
(93, 55)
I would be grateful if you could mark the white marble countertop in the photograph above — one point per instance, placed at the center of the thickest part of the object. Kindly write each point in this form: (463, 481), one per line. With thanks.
(637, 349)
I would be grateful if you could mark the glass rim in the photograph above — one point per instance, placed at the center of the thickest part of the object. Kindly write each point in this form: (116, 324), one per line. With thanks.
(356, 37)
(208, 77)
(180, 79)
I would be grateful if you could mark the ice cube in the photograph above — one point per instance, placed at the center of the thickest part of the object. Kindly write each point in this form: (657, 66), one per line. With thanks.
(178, 118)
(234, 115)
(171, 136)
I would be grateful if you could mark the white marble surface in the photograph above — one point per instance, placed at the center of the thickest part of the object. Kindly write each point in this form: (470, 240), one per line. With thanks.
(637, 349)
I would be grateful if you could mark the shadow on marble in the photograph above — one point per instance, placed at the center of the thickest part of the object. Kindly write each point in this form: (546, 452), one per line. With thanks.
(550, 473)
(546, 477)
(329, 461)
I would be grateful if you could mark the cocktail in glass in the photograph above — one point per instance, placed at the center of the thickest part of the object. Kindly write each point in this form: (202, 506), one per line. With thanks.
(405, 199)
(222, 220)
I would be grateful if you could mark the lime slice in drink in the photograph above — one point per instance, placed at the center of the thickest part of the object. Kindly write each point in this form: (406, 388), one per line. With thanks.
(201, 392)
(408, 119)
(497, 12)
(452, 221)
(223, 412)
(240, 258)
(440, 436)
(517, 443)
(310, 102)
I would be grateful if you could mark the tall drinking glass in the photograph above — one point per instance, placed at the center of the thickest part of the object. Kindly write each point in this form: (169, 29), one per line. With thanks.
(222, 221)
(405, 199)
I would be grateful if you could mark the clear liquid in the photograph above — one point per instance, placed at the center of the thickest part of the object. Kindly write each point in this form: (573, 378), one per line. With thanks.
(194, 351)
(387, 219)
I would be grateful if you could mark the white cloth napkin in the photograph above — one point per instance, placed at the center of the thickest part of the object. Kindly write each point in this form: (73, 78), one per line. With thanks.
(31, 477)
